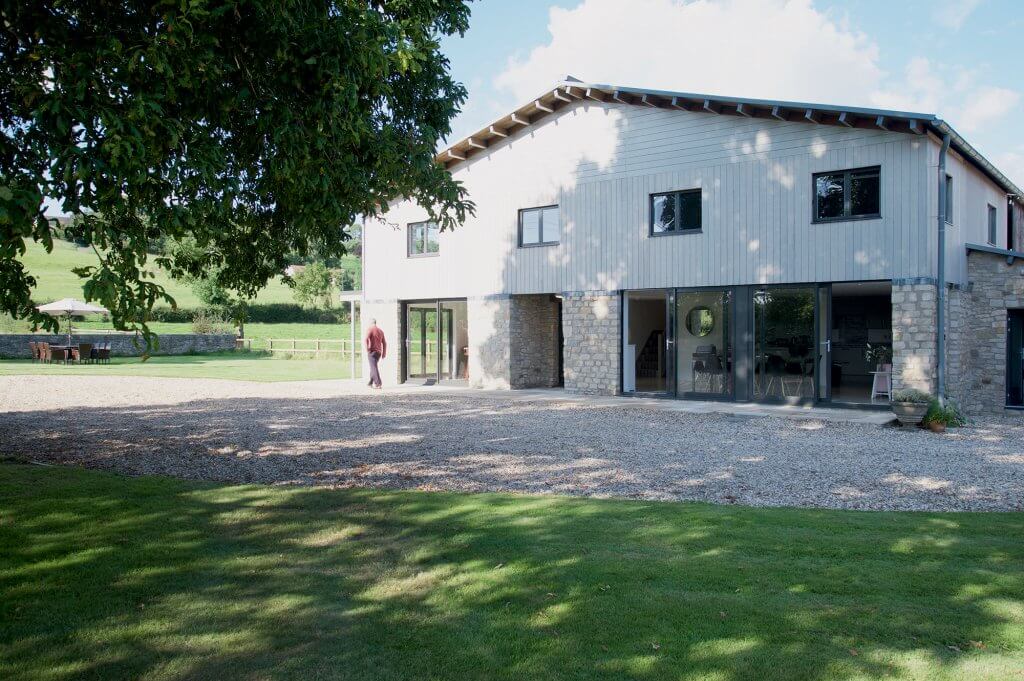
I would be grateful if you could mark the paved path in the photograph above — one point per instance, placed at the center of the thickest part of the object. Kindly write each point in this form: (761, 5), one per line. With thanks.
(334, 433)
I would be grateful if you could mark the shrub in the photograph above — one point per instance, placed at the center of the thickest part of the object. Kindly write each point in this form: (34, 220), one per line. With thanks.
(948, 415)
(209, 322)
(912, 395)
(265, 313)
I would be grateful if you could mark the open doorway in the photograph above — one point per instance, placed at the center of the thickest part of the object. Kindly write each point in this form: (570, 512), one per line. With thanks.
(861, 368)
(645, 360)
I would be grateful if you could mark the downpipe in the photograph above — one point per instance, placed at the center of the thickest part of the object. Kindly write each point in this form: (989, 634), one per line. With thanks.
(940, 316)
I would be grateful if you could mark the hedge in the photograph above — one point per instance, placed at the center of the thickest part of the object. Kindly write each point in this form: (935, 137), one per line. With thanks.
(265, 313)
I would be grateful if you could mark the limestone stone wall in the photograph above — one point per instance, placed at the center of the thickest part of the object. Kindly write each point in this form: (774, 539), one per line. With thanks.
(590, 326)
(490, 353)
(914, 350)
(15, 345)
(389, 318)
(533, 338)
(976, 338)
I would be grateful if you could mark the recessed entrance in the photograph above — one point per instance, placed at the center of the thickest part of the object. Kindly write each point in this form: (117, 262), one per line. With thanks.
(645, 357)
(436, 341)
(1015, 358)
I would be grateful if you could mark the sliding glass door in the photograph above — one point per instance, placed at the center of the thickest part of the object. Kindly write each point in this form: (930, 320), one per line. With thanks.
(704, 344)
(436, 341)
(785, 344)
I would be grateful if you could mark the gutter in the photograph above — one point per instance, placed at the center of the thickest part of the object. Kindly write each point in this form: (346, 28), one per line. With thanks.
(940, 316)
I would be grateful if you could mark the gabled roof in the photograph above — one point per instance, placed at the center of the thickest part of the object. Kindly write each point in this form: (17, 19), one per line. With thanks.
(571, 90)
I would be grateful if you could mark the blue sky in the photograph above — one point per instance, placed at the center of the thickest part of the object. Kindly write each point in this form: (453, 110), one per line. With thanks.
(960, 59)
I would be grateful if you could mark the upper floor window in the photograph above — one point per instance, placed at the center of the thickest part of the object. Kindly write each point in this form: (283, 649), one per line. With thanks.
(993, 228)
(539, 226)
(676, 212)
(423, 239)
(848, 194)
(949, 199)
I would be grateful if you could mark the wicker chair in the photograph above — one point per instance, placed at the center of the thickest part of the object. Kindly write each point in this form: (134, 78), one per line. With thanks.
(34, 348)
(103, 353)
(84, 352)
(45, 353)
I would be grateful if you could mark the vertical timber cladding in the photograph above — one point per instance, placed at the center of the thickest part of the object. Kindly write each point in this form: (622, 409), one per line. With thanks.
(591, 327)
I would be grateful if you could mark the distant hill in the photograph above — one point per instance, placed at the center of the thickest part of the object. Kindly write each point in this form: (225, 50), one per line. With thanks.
(56, 280)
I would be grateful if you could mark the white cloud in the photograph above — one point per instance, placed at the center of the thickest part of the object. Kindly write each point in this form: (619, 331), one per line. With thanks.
(987, 104)
(756, 48)
(1012, 164)
(953, 13)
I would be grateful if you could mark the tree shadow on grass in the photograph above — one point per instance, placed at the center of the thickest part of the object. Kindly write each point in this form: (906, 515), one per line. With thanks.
(108, 577)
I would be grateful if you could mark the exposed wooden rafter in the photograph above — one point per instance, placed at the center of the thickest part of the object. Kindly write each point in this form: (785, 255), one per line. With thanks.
(557, 94)
(813, 116)
(711, 107)
(595, 94)
(648, 100)
(846, 118)
(882, 123)
(681, 104)
(779, 113)
(915, 127)
(455, 157)
(520, 120)
(743, 110)
(543, 107)
(498, 133)
(475, 144)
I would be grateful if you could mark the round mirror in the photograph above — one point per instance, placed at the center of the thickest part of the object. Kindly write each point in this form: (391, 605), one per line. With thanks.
(700, 321)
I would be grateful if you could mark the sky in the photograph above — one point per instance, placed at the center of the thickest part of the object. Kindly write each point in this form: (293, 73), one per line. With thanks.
(960, 59)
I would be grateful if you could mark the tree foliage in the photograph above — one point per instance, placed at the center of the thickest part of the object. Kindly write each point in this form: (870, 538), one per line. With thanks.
(314, 285)
(258, 128)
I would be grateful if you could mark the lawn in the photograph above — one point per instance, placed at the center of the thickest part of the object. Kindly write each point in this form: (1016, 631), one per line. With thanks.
(259, 333)
(109, 577)
(241, 366)
(56, 280)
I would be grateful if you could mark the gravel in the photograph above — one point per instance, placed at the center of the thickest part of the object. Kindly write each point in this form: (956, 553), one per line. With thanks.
(326, 433)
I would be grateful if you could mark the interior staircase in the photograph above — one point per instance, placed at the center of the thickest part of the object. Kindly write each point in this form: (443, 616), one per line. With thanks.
(649, 362)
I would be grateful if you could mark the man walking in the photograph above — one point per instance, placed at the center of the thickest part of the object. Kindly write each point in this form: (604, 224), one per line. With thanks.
(376, 350)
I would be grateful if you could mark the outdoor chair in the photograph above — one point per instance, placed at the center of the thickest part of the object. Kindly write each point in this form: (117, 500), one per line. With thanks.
(45, 354)
(34, 348)
(103, 353)
(84, 352)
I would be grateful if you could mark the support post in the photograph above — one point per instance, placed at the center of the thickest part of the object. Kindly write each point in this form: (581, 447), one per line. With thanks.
(352, 338)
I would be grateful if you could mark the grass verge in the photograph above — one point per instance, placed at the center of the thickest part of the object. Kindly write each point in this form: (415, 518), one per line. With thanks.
(109, 577)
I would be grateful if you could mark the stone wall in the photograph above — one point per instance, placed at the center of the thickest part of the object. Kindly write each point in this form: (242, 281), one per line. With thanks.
(388, 315)
(976, 339)
(490, 350)
(15, 345)
(914, 350)
(590, 326)
(534, 341)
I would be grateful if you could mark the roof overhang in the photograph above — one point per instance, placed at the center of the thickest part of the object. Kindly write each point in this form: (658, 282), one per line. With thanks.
(570, 91)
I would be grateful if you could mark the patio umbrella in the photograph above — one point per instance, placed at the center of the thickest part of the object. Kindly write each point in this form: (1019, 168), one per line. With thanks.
(67, 307)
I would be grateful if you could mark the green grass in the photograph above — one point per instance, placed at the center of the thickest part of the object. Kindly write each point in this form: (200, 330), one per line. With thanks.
(259, 333)
(239, 366)
(56, 280)
(149, 578)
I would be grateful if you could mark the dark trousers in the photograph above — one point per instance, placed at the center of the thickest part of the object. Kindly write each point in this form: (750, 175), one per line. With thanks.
(374, 357)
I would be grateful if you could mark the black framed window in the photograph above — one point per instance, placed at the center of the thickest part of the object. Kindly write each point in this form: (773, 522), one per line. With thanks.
(993, 225)
(424, 239)
(539, 226)
(854, 194)
(949, 199)
(676, 212)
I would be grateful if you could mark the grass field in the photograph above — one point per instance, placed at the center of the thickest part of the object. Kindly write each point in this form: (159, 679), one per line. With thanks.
(56, 280)
(258, 333)
(150, 578)
(239, 366)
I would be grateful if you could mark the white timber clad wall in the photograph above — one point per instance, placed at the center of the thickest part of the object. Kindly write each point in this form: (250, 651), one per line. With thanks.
(972, 195)
(600, 162)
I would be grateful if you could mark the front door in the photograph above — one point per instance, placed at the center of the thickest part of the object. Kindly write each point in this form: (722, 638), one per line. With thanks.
(1015, 358)
(421, 342)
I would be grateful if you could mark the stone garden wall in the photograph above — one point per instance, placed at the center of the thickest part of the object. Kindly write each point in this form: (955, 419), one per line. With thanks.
(15, 345)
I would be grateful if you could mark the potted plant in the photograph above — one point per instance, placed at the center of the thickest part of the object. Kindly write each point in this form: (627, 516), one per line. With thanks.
(910, 406)
(879, 355)
(939, 417)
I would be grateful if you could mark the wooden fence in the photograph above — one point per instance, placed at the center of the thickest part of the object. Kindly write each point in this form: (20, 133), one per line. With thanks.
(334, 348)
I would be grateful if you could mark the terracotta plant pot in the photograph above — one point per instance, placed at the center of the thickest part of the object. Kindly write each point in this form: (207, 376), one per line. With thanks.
(910, 413)
(937, 427)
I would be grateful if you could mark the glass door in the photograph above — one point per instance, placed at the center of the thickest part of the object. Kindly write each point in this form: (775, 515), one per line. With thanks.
(785, 344)
(646, 353)
(1015, 358)
(703, 343)
(825, 342)
(454, 341)
(421, 341)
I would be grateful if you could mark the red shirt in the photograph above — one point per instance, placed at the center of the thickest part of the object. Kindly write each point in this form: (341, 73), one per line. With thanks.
(375, 341)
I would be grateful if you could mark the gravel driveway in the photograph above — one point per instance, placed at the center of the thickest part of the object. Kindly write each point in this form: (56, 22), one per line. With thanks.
(320, 433)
